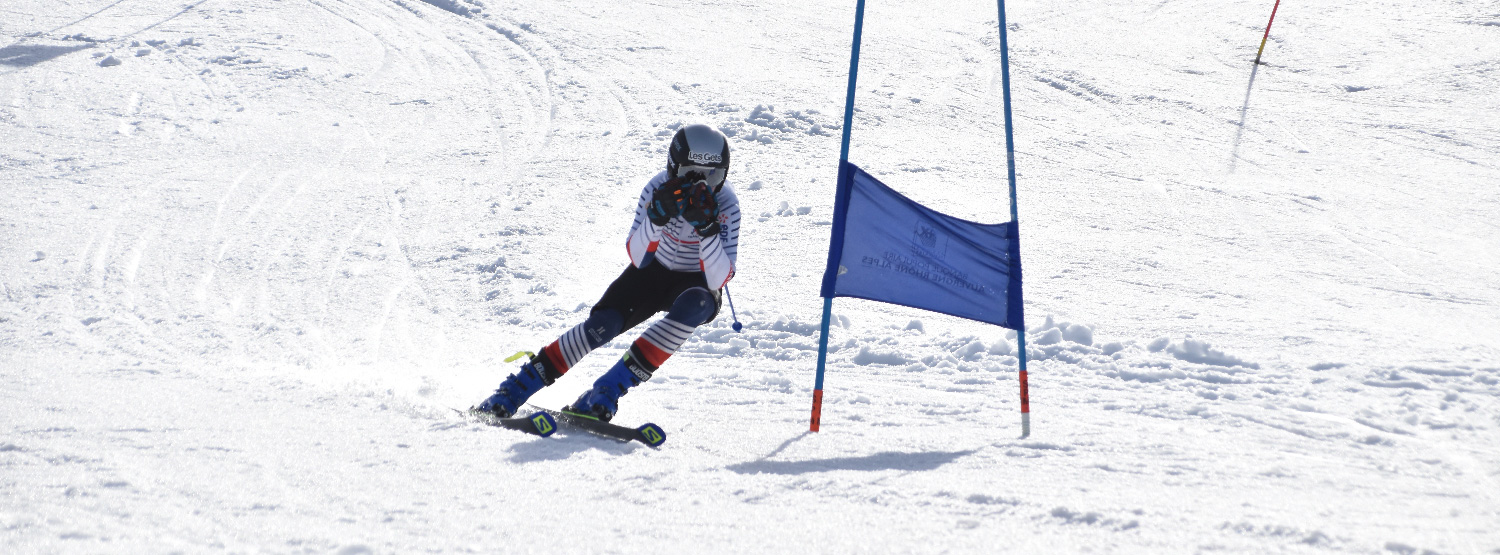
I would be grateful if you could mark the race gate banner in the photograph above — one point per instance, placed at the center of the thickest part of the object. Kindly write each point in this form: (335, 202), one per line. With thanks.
(886, 247)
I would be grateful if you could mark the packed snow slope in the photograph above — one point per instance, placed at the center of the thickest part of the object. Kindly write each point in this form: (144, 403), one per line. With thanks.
(252, 254)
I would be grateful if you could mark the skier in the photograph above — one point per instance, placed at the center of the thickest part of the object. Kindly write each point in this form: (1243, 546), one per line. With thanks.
(682, 249)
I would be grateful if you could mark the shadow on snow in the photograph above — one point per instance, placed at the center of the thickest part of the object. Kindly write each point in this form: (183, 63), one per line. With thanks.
(880, 461)
(564, 445)
(19, 55)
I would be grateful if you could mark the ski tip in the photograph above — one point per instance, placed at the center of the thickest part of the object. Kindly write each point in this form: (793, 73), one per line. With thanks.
(544, 423)
(652, 435)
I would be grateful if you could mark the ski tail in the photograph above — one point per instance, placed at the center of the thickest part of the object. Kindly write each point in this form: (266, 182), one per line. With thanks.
(543, 423)
(649, 434)
(538, 423)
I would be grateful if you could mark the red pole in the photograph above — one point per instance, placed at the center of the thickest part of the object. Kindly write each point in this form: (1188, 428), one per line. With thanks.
(1268, 32)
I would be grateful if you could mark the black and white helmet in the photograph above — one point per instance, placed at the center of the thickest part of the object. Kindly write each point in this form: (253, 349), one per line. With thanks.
(702, 150)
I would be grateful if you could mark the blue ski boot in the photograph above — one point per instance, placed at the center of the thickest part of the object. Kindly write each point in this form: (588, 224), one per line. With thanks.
(513, 392)
(603, 400)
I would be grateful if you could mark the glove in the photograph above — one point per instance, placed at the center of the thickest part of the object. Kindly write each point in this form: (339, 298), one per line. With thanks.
(666, 203)
(702, 210)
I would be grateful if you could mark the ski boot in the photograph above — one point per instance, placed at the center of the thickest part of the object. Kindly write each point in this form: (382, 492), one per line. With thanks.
(602, 401)
(513, 392)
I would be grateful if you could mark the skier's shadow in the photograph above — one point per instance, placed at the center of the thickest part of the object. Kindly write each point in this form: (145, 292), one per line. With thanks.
(888, 460)
(549, 449)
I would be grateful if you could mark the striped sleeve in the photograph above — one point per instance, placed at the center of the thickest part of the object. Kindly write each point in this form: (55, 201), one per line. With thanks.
(717, 253)
(731, 224)
(644, 236)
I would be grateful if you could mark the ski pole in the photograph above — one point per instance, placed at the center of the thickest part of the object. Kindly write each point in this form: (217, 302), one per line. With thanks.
(737, 327)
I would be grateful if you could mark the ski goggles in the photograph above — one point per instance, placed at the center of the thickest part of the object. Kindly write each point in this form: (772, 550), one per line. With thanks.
(714, 177)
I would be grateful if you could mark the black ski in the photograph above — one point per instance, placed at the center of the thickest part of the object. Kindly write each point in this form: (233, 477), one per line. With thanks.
(650, 434)
(538, 424)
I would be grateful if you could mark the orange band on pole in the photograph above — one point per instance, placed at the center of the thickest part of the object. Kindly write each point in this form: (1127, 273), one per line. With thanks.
(1268, 32)
(817, 413)
(1025, 394)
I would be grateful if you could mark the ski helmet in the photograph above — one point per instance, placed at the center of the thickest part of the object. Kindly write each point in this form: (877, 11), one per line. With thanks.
(702, 150)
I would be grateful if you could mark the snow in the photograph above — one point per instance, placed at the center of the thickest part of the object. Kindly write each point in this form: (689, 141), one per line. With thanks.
(252, 255)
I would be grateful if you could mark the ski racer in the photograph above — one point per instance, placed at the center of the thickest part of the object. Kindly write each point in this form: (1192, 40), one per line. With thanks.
(682, 249)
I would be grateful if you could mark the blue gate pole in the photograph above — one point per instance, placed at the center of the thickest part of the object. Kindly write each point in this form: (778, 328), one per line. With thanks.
(1010, 163)
(859, 21)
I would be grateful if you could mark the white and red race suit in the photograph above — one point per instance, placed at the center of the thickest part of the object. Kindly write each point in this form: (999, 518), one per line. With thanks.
(677, 246)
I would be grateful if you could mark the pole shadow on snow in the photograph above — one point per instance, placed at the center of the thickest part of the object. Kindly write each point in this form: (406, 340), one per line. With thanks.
(185, 9)
(785, 444)
(22, 55)
(889, 460)
(1239, 132)
(84, 18)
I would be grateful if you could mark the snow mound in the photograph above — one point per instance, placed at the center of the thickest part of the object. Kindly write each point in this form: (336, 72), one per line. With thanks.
(1198, 351)
(457, 7)
(765, 125)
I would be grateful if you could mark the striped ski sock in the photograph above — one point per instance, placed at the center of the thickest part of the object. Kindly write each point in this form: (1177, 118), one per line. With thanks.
(659, 342)
(560, 355)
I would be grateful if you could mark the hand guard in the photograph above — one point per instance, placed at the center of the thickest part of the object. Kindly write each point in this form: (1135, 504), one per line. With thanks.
(702, 210)
(666, 203)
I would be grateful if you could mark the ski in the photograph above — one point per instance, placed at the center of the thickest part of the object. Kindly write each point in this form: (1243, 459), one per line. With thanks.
(650, 434)
(537, 424)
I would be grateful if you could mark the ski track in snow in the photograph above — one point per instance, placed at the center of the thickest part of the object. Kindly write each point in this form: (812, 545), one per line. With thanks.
(253, 253)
